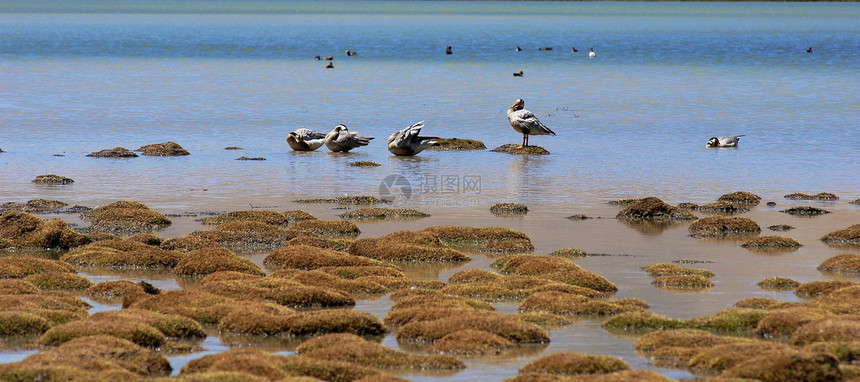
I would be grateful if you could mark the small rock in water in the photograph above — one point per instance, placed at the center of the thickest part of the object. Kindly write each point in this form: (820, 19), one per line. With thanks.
(517, 150)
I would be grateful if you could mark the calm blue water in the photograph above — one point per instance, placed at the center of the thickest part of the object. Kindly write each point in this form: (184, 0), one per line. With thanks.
(631, 122)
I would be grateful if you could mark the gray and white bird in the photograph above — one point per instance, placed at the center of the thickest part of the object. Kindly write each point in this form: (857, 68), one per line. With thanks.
(340, 139)
(724, 141)
(305, 140)
(525, 123)
(407, 142)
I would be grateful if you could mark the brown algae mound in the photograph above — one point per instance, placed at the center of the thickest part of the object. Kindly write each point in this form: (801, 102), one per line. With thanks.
(341, 245)
(850, 236)
(22, 229)
(473, 275)
(406, 246)
(778, 283)
(805, 211)
(654, 209)
(780, 227)
(819, 196)
(485, 239)
(303, 324)
(839, 328)
(512, 288)
(569, 253)
(741, 197)
(135, 331)
(443, 144)
(233, 148)
(428, 307)
(306, 257)
(277, 367)
(93, 358)
(260, 216)
(364, 163)
(18, 267)
(510, 148)
(682, 282)
(572, 304)
(842, 263)
(251, 158)
(556, 269)
(354, 349)
(676, 347)
(203, 307)
(191, 242)
(42, 206)
(793, 366)
(125, 217)
(116, 152)
(718, 226)
(505, 326)
(316, 227)
(114, 289)
(575, 364)
(821, 288)
(669, 269)
(471, 342)
(171, 325)
(166, 149)
(640, 320)
(624, 202)
(59, 281)
(245, 234)
(358, 286)
(122, 254)
(53, 306)
(214, 259)
(722, 357)
(278, 290)
(772, 243)
(374, 214)
(509, 209)
(730, 320)
(721, 207)
(783, 323)
(52, 180)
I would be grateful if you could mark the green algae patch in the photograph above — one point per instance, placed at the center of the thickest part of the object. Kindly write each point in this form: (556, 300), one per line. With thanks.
(125, 217)
(59, 281)
(22, 229)
(122, 254)
(511, 148)
(470, 342)
(306, 257)
(741, 197)
(52, 180)
(376, 214)
(653, 209)
(778, 283)
(116, 152)
(214, 259)
(508, 209)
(364, 163)
(847, 236)
(567, 363)
(354, 349)
(456, 144)
(848, 263)
(640, 321)
(166, 149)
(316, 227)
(718, 226)
(669, 269)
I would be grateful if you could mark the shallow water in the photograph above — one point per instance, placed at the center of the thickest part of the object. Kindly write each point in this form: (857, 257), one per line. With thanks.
(631, 123)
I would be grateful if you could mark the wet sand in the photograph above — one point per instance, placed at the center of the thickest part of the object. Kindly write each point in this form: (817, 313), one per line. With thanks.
(617, 251)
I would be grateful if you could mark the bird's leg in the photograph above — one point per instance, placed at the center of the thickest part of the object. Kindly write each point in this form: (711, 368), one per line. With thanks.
(524, 141)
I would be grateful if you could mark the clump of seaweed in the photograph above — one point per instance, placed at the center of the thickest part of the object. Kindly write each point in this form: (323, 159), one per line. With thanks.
(569, 253)
(59, 281)
(682, 282)
(821, 288)
(624, 202)
(573, 304)
(246, 234)
(575, 364)
(126, 217)
(278, 290)
(742, 320)
(850, 236)
(134, 331)
(116, 152)
(203, 307)
(722, 357)
(471, 342)
(114, 289)
(406, 246)
(819, 196)
(485, 239)
(52, 180)
(336, 244)
(374, 214)
(214, 259)
(123, 254)
(277, 367)
(722, 207)
(19, 267)
(42, 206)
(244, 158)
(171, 325)
(778, 283)
(303, 324)
(717, 226)
(92, 358)
(22, 229)
(509, 209)
(318, 227)
(653, 209)
(553, 268)
(510, 148)
(842, 263)
(676, 347)
(260, 216)
(354, 349)
(306, 257)
(772, 243)
(364, 163)
(782, 323)
(640, 320)
(505, 326)
(805, 211)
(791, 366)
(669, 269)
(166, 149)
(443, 144)
(190, 242)
(233, 148)
(741, 197)
(780, 227)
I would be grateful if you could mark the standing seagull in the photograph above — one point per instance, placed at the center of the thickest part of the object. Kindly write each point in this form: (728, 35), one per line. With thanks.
(724, 141)
(406, 142)
(341, 139)
(523, 121)
(305, 140)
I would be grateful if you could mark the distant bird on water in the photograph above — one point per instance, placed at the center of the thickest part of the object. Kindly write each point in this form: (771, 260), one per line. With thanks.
(329, 58)
(809, 50)
(724, 141)
(519, 49)
(330, 65)
(407, 142)
(574, 49)
(448, 50)
(591, 53)
(305, 140)
(351, 53)
(545, 48)
(518, 74)
(526, 123)
(340, 139)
